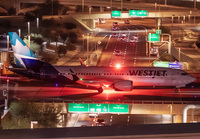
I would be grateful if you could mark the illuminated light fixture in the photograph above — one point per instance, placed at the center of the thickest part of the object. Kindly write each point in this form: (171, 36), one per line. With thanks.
(107, 7)
(106, 85)
(118, 66)
(81, 79)
(56, 85)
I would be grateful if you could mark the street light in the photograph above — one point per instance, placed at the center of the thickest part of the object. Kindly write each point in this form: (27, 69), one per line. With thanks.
(19, 30)
(28, 28)
(37, 20)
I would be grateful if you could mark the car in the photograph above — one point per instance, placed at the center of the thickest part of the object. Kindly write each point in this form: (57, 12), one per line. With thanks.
(136, 38)
(117, 52)
(132, 40)
(154, 51)
(115, 28)
(114, 35)
(115, 24)
(102, 21)
(100, 122)
(127, 22)
(123, 38)
(123, 34)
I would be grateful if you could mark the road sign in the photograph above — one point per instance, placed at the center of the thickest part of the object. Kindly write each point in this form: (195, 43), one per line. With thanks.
(116, 13)
(119, 108)
(138, 13)
(98, 108)
(176, 65)
(158, 31)
(153, 37)
(164, 64)
(80, 107)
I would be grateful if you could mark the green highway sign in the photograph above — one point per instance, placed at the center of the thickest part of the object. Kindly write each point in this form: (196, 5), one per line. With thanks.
(158, 31)
(153, 37)
(116, 13)
(138, 13)
(80, 107)
(164, 64)
(98, 108)
(119, 108)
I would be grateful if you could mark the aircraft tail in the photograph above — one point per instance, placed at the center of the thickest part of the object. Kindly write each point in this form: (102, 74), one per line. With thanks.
(24, 57)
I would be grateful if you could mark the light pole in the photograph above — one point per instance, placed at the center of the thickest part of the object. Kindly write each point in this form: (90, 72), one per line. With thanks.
(179, 19)
(121, 5)
(111, 4)
(87, 47)
(82, 6)
(19, 30)
(149, 46)
(29, 41)
(52, 7)
(37, 20)
(7, 48)
(189, 18)
(5, 94)
(28, 28)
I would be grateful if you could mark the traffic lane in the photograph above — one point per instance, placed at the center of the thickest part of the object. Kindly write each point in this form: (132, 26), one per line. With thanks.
(119, 55)
(107, 53)
(136, 53)
(83, 119)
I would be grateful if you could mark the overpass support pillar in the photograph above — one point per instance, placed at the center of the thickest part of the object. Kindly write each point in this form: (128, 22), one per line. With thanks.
(101, 9)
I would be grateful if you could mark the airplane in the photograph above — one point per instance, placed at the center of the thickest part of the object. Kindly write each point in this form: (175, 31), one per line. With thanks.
(120, 79)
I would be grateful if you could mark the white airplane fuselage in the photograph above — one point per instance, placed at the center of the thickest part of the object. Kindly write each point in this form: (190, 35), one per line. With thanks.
(140, 76)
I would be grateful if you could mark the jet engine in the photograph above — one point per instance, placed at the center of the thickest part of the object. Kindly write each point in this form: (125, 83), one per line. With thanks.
(124, 85)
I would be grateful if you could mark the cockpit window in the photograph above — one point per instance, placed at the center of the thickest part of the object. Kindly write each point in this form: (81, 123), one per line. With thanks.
(184, 73)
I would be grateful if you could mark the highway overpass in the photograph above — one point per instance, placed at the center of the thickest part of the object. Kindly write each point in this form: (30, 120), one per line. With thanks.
(99, 3)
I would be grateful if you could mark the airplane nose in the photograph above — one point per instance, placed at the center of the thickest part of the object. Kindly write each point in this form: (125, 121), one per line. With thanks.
(192, 79)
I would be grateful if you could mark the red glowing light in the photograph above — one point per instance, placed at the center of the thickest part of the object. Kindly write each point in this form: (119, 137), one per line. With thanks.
(118, 66)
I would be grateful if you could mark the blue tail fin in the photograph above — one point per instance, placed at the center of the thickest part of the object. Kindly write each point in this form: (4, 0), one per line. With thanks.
(22, 52)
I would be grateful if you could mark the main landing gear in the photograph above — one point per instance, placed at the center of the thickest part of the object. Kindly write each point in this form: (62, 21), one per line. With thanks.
(100, 89)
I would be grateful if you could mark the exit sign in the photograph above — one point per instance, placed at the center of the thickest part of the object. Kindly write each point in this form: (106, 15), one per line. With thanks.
(116, 13)
(138, 13)
(158, 31)
(153, 37)
(98, 108)
(164, 64)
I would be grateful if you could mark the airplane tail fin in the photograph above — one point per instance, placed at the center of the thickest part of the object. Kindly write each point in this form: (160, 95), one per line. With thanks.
(24, 57)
